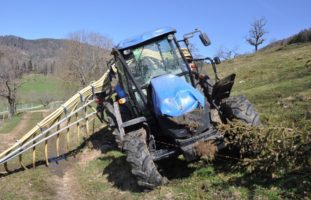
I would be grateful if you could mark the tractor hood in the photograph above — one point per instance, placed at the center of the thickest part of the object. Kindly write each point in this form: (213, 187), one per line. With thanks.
(173, 96)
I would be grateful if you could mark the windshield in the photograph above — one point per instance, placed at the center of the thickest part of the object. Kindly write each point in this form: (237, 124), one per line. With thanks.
(155, 59)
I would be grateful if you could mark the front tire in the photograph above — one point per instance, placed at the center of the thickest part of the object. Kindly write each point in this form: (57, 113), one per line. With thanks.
(141, 161)
(239, 108)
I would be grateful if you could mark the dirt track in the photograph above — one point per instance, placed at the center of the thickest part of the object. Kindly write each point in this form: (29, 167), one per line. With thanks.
(66, 185)
(7, 139)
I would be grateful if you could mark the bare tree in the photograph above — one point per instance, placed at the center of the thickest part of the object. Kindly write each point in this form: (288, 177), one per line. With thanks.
(46, 99)
(226, 54)
(10, 80)
(85, 56)
(257, 32)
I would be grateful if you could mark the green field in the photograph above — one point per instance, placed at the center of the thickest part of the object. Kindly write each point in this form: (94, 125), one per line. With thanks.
(37, 87)
(277, 81)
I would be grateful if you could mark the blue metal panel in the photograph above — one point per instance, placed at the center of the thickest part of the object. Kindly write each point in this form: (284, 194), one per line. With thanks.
(144, 37)
(173, 96)
(120, 91)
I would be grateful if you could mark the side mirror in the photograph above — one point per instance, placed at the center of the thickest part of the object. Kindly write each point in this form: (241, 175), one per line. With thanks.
(204, 39)
(217, 60)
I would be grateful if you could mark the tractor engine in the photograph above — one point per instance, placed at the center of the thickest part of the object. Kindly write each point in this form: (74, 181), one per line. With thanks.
(181, 110)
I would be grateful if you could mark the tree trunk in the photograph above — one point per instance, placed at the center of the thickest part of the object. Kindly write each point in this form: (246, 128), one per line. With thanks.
(12, 106)
(256, 48)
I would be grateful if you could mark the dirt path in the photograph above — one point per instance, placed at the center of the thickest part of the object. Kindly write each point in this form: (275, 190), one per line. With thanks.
(67, 186)
(64, 172)
(8, 139)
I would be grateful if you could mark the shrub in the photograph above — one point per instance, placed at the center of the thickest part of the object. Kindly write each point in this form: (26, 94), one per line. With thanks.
(269, 149)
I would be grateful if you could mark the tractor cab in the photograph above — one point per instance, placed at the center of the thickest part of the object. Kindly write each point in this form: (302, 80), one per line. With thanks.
(142, 58)
(155, 57)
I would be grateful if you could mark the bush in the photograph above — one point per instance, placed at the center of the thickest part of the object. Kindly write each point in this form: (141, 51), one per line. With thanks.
(269, 150)
(301, 37)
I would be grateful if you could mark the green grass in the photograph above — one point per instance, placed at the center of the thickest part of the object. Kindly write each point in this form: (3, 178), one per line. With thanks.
(38, 86)
(30, 184)
(40, 83)
(9, 124)
(277, 81)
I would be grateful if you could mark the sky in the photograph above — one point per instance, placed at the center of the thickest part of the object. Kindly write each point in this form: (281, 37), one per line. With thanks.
(226, 22)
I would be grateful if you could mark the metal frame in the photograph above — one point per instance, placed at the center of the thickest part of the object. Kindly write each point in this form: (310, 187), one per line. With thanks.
(23, 147)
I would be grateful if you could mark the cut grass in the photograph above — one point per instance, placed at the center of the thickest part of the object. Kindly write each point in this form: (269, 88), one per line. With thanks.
(9, 124)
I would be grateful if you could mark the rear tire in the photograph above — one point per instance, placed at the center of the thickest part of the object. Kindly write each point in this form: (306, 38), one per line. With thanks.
(239, 108)
(141, 161)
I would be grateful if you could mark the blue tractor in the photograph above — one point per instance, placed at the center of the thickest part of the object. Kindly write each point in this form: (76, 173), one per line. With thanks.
(164, 105)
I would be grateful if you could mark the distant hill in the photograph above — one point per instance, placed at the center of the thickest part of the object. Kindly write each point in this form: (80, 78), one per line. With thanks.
(40, 54)
(301, 37)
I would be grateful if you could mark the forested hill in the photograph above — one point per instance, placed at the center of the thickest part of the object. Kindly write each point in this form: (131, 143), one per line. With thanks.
(38, 55)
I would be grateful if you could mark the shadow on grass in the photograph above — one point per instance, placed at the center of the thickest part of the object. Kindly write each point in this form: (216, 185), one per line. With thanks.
(293, 185)
(119, 173)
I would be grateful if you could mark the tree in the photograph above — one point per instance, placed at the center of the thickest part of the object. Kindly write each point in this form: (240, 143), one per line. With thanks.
(226, 54)
(30, 67)
(10, 80)
(46, 99)
(85, 56)
(257, 32)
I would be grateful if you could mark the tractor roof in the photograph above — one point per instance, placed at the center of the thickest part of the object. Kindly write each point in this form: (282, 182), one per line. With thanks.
(144, 37)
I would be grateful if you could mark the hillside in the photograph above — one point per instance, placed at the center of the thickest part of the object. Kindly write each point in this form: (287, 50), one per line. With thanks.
(84, 53)
(41, 47)
(303, 36)
(277, 81)
(40, 53)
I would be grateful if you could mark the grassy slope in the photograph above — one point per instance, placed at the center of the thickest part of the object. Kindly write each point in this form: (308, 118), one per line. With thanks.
(277, 81)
